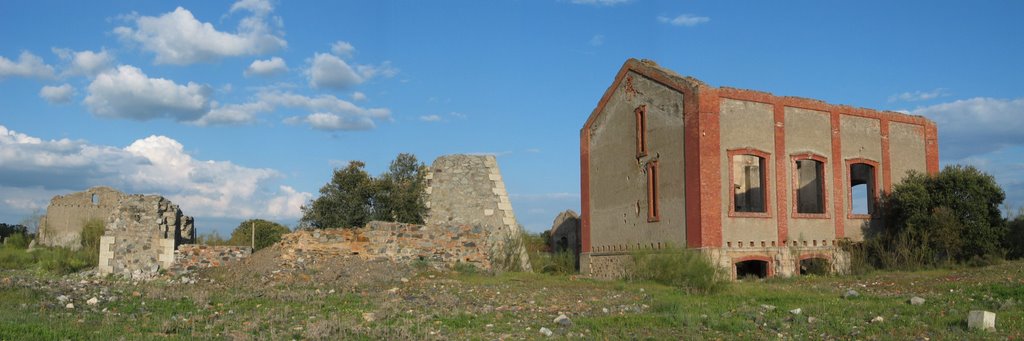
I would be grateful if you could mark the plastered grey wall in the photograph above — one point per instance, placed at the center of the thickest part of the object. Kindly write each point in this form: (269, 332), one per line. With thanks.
(906, 149)
(67, 214)
(809, 131)
(861, 138)
(746, 124)
(618, 179)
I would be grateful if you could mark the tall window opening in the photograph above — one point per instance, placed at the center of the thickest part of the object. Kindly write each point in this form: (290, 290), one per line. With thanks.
(641, 130)
(810, 192)
(95, 199)
(652, 191)
(862, 189)
(748, 183)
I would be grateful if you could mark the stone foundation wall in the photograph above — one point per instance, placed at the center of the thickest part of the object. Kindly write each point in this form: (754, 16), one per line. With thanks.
(782, 261)
(447, 244)
(141, 235)
(193, 257)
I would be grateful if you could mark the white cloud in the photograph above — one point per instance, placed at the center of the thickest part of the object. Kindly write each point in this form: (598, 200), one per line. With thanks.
(358, 96)
(600, 2)
(684, 20)
(126, 92)
(57, 94)
(179, 38)
(155, 164)
(597, 40)
(349, 116)
(458, 115)
(384, 69)
(233, 114)
(329, 71)
(84, 63)
(268, 67)
(342, 49)
(977, 125)
(430, 118)
(918, 95)
(28, 65)
(335, 122)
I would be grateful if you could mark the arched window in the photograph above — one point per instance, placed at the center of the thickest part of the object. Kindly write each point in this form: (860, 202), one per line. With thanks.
(863, 189)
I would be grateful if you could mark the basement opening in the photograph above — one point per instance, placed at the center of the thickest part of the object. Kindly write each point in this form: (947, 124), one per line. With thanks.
(751, 269)
(815, 266)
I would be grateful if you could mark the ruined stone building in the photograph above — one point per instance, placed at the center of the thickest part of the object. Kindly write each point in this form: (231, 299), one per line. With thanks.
(758, 183)
(140, 235)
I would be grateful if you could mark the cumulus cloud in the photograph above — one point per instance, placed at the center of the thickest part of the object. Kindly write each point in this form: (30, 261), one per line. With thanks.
(268, 67)
(126, 92)
(57, 94)
(179, 38)
(244, 113)
(155, 164)
(430, 118)
(600, 2)
(84, 63)
(327, 111)
(977, 125)
(918, 96)
(28, 65)
(334, 122)
(358, 96)
(684, 20)
(342, 49)
(329, 71)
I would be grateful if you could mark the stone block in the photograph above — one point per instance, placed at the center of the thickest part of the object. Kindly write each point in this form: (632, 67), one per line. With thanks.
(488, 212)
(494, 177)
(980, 319)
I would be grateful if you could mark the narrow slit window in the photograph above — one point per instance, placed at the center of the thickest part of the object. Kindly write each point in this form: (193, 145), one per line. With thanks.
(652, 191)
(862, 189)
(748, 183)
(810, 193)
(641, 130)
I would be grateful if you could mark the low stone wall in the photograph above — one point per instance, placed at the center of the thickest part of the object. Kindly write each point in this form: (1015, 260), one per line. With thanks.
(394, 241)
(193, 257)
(781, 261)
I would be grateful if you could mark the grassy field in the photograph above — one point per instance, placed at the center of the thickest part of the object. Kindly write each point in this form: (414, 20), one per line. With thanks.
(352, 299)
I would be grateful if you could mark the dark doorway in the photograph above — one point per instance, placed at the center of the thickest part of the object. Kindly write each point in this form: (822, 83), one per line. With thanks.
(751, 268)
(815, 266)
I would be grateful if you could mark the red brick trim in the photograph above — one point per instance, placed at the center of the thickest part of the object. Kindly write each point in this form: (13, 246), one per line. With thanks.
(887, 169)
(849, 194)
(641, 130)
(585, 189)
(931, 148)
(653, 212)
(837, 168)
(813, 104)
(710, 169)
(795, 180)
(769, 271)
(780, 172)
(765, 184)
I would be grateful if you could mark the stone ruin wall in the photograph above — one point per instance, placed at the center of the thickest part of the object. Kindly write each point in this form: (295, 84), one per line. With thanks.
(67, 214)
(469, 190)
(191, 257)
(141, 236)
(404, 243)
(782, 261)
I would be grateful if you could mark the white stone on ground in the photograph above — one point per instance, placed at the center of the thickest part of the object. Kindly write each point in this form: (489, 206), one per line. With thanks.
(980, 319)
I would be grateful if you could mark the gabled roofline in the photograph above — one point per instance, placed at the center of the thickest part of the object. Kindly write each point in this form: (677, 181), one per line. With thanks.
(651, 70)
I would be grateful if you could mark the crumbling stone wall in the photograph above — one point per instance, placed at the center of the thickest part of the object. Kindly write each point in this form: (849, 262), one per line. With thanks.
(67, 214)
(193, 256)
(469, 190)
(565, 234)
(141, 235)
(444, 244)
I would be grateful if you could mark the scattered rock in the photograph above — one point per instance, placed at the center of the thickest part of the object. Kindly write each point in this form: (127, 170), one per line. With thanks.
(795, 311)
(546, 332)
(767, 307)
(405, 280)
(563, 321)
(980, 319)
(878, 319)
(916, 300)
(93, 301)
(369, 317)
(62, 298)
(393, 291)
(70, 306)
(604, 310)
(811, 319)
(851, 294)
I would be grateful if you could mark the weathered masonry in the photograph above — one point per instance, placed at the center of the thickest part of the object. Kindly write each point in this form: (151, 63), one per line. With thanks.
(763, 185)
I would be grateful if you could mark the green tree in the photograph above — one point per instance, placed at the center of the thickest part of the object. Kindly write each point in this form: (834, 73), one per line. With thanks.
(400, 191)
(344, 202)
(267, 233)
(353, 197)
(931, 220)
(1014, 241)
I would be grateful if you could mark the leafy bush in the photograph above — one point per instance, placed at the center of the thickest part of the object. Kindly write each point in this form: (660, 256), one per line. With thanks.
(1014, 241)
(17, 241)
(267, 233)
(353, 197)
(682, 268)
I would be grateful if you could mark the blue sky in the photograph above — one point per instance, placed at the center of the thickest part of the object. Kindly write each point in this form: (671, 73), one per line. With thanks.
(240, 110)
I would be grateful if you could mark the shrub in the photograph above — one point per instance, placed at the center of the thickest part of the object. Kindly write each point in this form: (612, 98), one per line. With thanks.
(681, 268)
(267, 233)
(508, 256)
(90, 238)
(17, 241)
(1014, 241)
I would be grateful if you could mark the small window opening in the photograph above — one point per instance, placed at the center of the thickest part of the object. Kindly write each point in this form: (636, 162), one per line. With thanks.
(810, 194)
(815, 266)
(652, 191)
(751, 269)
(563, 244)
(641, 130)
(95, 199)
(748, 183)
(862, 188)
